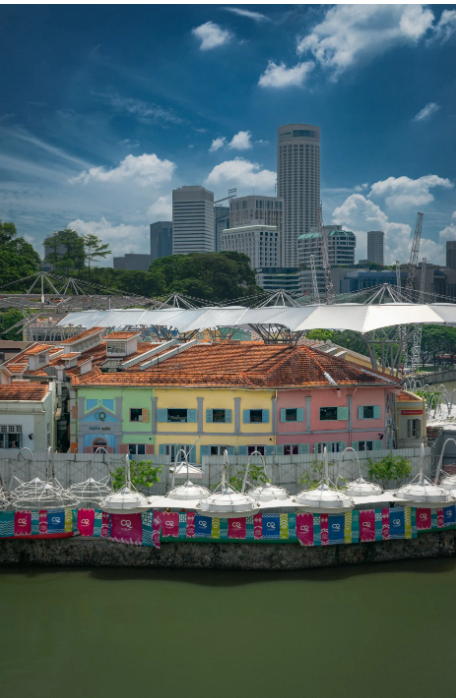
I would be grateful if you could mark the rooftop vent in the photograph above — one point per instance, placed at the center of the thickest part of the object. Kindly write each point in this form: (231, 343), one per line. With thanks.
(121, 343)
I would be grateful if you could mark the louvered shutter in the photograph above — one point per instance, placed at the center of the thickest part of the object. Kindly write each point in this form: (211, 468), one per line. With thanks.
(303, 448)
(377, 445)
(246, 416)
(205, 450)
(228, 416)
(242, 450)
(355, 445)
(145, 415)
(269, 450)
(209, 416)
(377, 412)
(265, 416)
(283, 415)
(300, 414)
(162, 415)
(192, 416)
(361, 412)
(279, 451)
(231, 449)
(162, 449)
(342, 445)
(342, 413)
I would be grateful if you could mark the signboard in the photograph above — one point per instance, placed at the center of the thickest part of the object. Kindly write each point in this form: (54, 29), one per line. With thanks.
(412, 412)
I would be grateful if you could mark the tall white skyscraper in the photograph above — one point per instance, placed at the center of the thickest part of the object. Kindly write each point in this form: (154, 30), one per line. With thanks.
(193, 220)
(298, 183)
(375, 241)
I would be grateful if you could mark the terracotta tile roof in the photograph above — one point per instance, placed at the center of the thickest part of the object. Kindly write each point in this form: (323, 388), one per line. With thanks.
(37, 349)
(81, 335)
(405, 396)
(17, 368)
(121, 335)
(24, 391)
(69, 355)
(249, 364)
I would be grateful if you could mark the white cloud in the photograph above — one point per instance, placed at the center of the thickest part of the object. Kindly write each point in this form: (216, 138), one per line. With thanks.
(121, 238)
(403, 191)
(144, 112)
(241, 141)
(279, 76)
(446, 26)
(211, 35)
(256, 16)
(217, 143)
(453, 214)
(145, 169)
(361, 215)
(426, 112)
(448, 233)
(242, 173)
(161, 210)
(351, 33)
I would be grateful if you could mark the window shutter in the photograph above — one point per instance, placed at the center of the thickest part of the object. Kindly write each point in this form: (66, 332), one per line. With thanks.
(265, 416)
(355, 445)
(269, 450)
(279, 450)
(145, 415)
(242, 450)
(231, 449)
(283, 415)
(342, 445)
(377, 412)
(303, 448)
(162, 447)
(192, 454)
(123, 448)
(162, 416)
(316, 447)
(246, 416)
(377, 445)
(150, 449)
(192, 416)
(205, 450)
(342, 413)
(361, 412)
(300, 414)
(228, 417)
(209, 417)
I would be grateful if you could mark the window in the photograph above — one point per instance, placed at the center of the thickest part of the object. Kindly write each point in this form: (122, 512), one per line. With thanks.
(332, 413)
(42, 358)
(369, 412)
(218, 450)
(365, 445)
(331, 446)
(290, 449)
(413, 428)
(177, 415)
(116, 348)
(176, 452)
(218, 416)
(136, 415)
(292, 414)
(10, 436)
(136, 449)
(256, 416)
(252, 449)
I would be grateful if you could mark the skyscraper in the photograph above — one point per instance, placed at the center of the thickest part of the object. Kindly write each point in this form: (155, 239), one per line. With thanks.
(193, 220)
(161, 239)
(298, 183)
(451, 254)
(221, 221)
(375, 241)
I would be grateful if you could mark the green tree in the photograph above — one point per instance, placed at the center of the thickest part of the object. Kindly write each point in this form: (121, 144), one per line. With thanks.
(7, 320)
(94, 248)
(7, 233)
(65, 250)
(142, 473)
(18, 259)
(389, 469)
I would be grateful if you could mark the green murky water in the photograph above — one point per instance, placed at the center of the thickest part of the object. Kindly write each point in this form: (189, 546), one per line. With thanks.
(373, 631)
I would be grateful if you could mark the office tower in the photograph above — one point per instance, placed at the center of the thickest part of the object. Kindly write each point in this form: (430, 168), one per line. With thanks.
(259, 242)
(375, 243)
(341, 247)
(193, 220)
(161, 239)
(298, 183)
(451, 254)
(133, 262)
(248, 210)
(221, 221)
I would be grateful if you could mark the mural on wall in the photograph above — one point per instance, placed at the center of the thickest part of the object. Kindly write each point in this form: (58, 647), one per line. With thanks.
(99, 422)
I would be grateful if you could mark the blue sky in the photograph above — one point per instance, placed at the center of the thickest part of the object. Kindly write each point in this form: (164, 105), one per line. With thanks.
(105, 109)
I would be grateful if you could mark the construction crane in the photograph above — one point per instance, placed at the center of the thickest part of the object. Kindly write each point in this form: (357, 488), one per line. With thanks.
(314, 280)
(327, 273)
(418, 332)
(411, 271)
(232, 193)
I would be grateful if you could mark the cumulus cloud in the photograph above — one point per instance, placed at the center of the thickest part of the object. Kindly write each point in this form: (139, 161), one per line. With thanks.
(145, 169)
(211, 35)
(279, 76)
(445, 28)
(161, 209)
(360, 215)
(242, 173)
(241, 141)
(350, 33)
(426, 112)
(217, 143)
(256, 16)
(121, 238)
(402, 191)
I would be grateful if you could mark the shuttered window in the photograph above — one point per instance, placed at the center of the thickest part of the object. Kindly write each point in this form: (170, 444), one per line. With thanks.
(177, 415)
(369, 412)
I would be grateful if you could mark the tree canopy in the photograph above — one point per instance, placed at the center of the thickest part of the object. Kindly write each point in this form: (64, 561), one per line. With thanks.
(17, 257)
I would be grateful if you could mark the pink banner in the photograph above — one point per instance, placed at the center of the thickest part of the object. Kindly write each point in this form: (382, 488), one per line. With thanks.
(170, 524)
(324, 525)
(156, 526)
(258, 526)
(23, 523)
(126, 528)
(43, 522)
(423, 519)
(190, 524)
(385, 524)
(86, 521)
(104, 524)
(440, 518)
(366, 525)
(237, 528)
(304, 528)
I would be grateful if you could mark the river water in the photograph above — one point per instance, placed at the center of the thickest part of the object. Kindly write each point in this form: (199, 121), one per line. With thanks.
(373, 631)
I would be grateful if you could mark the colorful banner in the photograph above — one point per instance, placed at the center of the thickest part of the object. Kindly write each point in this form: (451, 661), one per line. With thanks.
(366, 525)
(305, 528)
(170, 524)
(86, 522)
(23, 523)
(237, 528)
(336, 529)
(126, 528)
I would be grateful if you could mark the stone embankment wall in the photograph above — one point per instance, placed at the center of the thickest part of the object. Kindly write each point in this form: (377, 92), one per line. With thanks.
(78, 552)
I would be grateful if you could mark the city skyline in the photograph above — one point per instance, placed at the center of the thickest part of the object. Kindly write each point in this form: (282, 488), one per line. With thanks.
(100, 121)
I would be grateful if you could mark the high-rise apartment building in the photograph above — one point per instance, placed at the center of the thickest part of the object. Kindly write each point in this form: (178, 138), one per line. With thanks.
(193, 220)
(298, 183)
(248, 210)
(451, 254)
(259, 242)
(161, 239)
(375, 244)
(221, 222)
